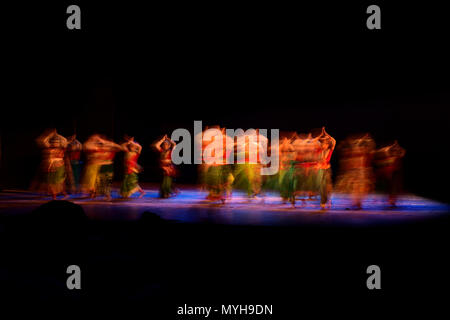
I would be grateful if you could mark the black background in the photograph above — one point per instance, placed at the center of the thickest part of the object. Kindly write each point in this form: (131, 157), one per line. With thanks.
(147, 69)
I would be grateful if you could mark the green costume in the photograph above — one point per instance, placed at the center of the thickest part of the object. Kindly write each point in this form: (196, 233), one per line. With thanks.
(218, 180)
(105, 179)
(248, 178)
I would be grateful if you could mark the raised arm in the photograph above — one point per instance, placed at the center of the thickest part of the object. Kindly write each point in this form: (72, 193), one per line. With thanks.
(172, 143)
(158, 143)
(63, 140)
(91, 144)
(76, 145)
(44, 139)
(138, 146)
(114, 146)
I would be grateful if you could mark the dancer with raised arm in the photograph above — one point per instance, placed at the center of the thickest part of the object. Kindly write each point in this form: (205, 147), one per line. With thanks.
(130, 183)
(356, 174)
(388, 168)
(55, 146)
(165, 147)
(307, 151)
(328, 144)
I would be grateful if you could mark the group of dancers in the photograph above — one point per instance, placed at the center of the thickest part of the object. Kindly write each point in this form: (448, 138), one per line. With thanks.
(61, 170)
(304, 167)
(361, 166)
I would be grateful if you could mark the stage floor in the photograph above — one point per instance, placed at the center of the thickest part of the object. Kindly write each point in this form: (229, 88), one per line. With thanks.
(190, 206)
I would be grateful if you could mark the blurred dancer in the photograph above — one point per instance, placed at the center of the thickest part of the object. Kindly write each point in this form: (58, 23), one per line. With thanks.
(328, 144)
(53, 163)
(356, 175)
(92, 148)
(307, 156)
(219, 177)
(130, 184)
(73, 165)
(286, 172)
(107, 152)
(247, 171)
(40, 183)
(288, 178)
(99, 169)
(388, 165)
(165, 147)
(284, 181)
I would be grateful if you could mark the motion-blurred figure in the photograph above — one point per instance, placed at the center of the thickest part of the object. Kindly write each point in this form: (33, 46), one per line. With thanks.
(107, 152)
(54, 146)
(388, 167)
(99, 169)
(356, 174)
(92, 150)
(324, 182)
(307, 156)
(130, 184)
(165, 147)
(287, 169)
(247, 170)
(280, 181)
(218, 175)
(305, 169)
(73, 163)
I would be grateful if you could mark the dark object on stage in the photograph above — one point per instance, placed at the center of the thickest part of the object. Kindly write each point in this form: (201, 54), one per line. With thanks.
(59, 217)
(60, 211)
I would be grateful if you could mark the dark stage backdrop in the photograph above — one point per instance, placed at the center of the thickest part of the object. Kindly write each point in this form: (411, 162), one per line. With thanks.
(145, 70)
